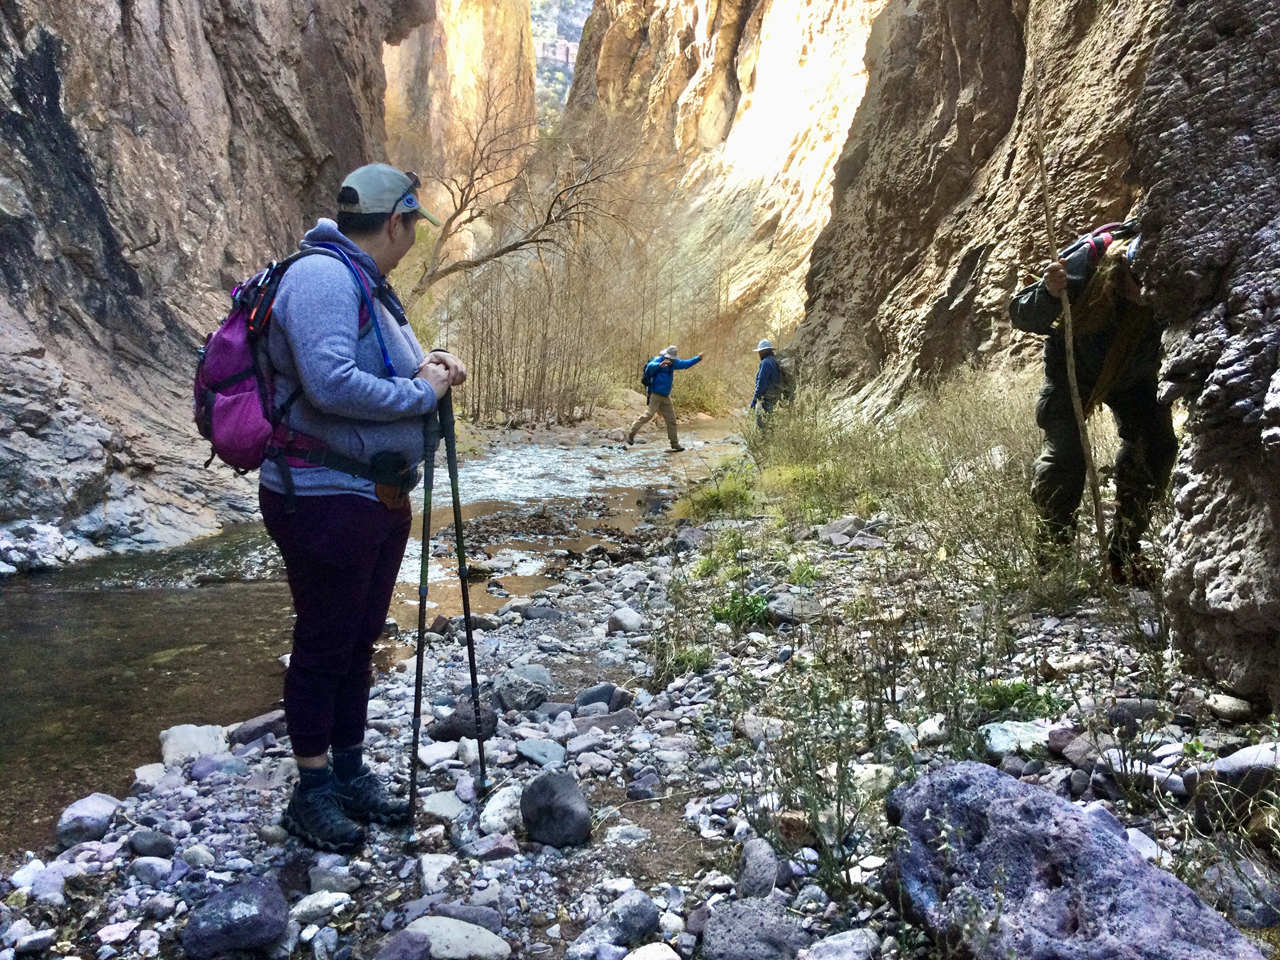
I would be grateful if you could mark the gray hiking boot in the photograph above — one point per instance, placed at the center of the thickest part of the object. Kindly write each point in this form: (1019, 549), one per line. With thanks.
(367, 799)
(316, 817)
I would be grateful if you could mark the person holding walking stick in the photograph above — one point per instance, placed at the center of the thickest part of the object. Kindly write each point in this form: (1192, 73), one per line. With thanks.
(356, 397)
(1117, 363)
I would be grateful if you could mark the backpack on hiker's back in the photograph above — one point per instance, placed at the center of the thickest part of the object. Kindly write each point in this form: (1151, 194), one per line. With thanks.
(785, 387)
(234, 400)
(649, 371)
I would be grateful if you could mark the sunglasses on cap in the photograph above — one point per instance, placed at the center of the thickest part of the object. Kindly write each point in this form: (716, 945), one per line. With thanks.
(407, 198)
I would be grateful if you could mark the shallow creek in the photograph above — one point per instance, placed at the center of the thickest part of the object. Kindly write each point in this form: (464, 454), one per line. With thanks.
(98, 659)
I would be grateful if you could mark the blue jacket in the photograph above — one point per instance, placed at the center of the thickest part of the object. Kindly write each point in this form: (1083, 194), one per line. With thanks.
(665, 376)
(767, 377)
(349, 399)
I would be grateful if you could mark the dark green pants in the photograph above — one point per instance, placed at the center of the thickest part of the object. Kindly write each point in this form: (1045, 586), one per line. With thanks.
(1148, 448)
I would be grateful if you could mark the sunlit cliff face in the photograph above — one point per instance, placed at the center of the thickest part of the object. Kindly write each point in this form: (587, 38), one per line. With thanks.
(800, 69)
(439, 77)
(475, 56)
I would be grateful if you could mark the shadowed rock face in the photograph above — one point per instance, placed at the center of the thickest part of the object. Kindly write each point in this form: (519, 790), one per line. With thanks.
(150, 156)
(936, 217)
(1000, 868)
(1210, 155)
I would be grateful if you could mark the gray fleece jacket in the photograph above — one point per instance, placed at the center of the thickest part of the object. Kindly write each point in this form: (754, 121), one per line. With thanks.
(349, 400)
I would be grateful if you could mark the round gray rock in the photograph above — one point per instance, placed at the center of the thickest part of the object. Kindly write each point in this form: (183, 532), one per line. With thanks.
(151, 843)
(86, 819)
(555, 812)
(752, 930)
(759, 869)
(245, 916)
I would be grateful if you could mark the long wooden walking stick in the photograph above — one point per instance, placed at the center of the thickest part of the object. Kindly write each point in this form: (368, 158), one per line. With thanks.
(445, 407)
(430, 439)
(1068, 330)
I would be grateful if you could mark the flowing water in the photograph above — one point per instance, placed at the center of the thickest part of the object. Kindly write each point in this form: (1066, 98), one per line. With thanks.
(98, 659)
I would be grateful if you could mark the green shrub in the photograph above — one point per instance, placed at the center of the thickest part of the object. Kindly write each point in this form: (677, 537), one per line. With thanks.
(741, 610)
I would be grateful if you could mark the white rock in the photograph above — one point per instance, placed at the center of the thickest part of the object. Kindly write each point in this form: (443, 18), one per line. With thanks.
(671, 924)
(933, 731)
(1147, 848)
(147, 777)
(468, 750)
(502, 813)
(317, 906)
(188, 741)
(454, 940)
(431, 868)
(618, 886)
(23, 876)
(626, 620)
(860, 944)
(22, 927)
(432, 753)
(654, 951)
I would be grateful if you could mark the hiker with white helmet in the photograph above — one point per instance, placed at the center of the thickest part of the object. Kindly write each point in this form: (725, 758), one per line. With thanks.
(768, 381)
(658, 379)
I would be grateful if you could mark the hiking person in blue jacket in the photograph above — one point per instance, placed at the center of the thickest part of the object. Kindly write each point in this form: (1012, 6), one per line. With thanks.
(359, 386)
(768, 382)
(658, 379)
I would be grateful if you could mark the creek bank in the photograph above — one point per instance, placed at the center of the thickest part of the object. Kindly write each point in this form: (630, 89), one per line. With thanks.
(108, 651)
(671, 779)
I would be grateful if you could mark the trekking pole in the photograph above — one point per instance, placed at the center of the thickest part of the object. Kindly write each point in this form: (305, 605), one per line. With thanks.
(430, 439)
(1091, 469)
(445, 408)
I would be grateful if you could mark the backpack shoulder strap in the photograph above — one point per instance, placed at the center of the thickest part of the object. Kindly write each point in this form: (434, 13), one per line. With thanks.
(366, 294)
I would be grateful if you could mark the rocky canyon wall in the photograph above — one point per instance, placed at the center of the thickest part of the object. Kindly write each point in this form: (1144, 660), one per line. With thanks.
(937, 216)
(439, 76)
(151, 154)
(1209, 155)
(738, 110)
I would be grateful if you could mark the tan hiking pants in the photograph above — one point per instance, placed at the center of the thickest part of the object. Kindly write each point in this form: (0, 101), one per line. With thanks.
(657, 404)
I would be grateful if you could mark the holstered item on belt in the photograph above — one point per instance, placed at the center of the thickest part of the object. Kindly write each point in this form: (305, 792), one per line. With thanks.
(393, 497)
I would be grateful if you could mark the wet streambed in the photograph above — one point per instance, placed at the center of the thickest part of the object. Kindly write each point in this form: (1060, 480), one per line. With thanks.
(97, 659)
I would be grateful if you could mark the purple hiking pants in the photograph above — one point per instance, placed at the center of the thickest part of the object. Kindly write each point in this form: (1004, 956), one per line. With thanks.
(342, 554)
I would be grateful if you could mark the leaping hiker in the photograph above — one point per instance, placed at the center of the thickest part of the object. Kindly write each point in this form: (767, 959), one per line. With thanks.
(335, 406)
(658, 379)
(1117, 354)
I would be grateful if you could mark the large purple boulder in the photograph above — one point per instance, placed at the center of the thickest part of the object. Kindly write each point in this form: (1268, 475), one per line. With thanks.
(1010, 869)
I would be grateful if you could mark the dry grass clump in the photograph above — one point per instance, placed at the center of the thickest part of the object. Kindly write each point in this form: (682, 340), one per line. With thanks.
(955, 464)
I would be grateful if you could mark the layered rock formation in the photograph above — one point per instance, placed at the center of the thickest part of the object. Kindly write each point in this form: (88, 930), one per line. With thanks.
(1209, 154)
(937, 215)
(741, 105)
(150, 155)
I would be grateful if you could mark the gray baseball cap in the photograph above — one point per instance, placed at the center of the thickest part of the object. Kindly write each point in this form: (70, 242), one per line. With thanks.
(381, 188)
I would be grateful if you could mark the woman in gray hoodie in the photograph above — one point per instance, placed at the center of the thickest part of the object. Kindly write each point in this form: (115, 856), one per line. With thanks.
(353, 386)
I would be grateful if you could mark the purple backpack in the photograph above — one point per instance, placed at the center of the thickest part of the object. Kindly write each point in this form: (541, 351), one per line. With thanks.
(234, 405)
(235, 391)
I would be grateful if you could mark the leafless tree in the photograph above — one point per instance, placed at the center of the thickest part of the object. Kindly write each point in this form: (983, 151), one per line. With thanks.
(532, 191)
